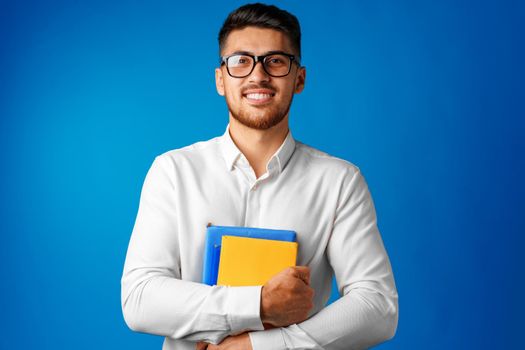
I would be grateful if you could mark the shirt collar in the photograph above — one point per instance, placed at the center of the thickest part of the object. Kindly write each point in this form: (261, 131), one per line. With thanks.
(278, 161)
(229, 150)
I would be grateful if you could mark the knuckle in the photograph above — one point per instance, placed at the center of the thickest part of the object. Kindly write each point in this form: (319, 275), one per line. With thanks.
(297, 287)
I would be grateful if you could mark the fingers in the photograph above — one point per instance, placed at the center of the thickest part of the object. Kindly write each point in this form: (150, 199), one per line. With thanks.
(287, 297)
(301, 272)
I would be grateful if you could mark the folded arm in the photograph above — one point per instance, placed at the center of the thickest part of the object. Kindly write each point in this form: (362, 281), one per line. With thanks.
(367, 312)
(154, 297)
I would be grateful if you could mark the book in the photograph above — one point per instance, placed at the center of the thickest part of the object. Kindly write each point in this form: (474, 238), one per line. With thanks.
(253, 261)
(212, 250)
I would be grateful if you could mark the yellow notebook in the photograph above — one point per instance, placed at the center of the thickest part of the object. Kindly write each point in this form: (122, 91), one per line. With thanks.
(252, 261)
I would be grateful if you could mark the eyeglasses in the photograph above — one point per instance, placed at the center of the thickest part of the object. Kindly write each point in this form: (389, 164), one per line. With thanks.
(276, 64)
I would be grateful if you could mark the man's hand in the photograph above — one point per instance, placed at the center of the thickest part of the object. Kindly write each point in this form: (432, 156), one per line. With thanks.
(237, 342)
(287, 297)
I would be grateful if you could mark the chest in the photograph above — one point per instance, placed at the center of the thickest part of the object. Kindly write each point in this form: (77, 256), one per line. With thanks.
(304, 204)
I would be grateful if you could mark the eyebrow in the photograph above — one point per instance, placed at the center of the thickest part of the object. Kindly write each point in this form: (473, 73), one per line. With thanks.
(252, 54)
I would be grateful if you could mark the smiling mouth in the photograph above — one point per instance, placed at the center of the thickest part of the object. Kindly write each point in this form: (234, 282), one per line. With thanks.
(259, 97)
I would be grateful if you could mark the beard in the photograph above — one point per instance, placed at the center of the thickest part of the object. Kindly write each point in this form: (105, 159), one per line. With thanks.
(260, 118)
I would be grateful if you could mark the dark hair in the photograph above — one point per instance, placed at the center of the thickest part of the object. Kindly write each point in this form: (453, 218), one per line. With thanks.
(262, 16)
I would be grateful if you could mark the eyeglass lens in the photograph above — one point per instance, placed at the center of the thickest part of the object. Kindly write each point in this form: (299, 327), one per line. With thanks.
(275, 65)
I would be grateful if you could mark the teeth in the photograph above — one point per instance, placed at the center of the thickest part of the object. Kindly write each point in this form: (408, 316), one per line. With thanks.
(258, 96)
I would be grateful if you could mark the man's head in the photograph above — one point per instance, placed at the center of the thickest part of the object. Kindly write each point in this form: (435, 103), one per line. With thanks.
(262, 16)
(260, 64)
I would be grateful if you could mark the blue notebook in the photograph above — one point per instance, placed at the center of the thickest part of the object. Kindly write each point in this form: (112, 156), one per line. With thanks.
(212, 250)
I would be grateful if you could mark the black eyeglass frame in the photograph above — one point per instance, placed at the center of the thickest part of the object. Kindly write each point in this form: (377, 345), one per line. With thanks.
(293, 58)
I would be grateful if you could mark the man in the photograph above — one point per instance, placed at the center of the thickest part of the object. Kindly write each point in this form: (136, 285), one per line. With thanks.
(257, 175)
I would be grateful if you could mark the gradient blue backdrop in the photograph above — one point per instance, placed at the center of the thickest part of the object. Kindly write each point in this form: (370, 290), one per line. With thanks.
(426, 97)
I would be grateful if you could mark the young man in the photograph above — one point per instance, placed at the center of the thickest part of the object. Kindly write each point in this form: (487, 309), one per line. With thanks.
(257, 175)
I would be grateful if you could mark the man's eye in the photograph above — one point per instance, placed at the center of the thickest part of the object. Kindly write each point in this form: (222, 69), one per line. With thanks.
(275, 61)
(241, 60)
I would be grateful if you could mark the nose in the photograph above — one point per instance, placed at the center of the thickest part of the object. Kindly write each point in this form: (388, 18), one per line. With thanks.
(259, 74)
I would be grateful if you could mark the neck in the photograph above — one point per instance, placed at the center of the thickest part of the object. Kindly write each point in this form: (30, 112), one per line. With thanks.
(258, 146)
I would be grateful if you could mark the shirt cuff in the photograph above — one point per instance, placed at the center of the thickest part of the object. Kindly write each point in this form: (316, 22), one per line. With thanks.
(269, 339)
(244, 307)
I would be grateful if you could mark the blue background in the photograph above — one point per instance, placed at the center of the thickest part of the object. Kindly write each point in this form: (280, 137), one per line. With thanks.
(426, 97)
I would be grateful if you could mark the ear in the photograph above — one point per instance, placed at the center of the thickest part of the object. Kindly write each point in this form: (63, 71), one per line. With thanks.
(219, 82)
(300, 80)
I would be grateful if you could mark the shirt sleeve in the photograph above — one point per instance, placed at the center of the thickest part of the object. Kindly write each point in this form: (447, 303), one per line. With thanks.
(154, 297)
(367, 312)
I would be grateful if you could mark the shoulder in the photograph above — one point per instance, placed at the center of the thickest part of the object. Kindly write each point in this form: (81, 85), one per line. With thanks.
(325, 162)
(336, 172)
(188, 161)
(194, 153)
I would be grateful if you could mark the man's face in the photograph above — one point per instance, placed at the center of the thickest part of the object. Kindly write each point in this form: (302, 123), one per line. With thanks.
(259, 100)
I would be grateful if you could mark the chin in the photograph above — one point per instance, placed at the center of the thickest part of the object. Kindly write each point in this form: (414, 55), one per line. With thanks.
(263, 123)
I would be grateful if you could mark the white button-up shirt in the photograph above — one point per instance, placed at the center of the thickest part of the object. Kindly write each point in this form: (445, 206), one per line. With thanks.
(325, 200)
